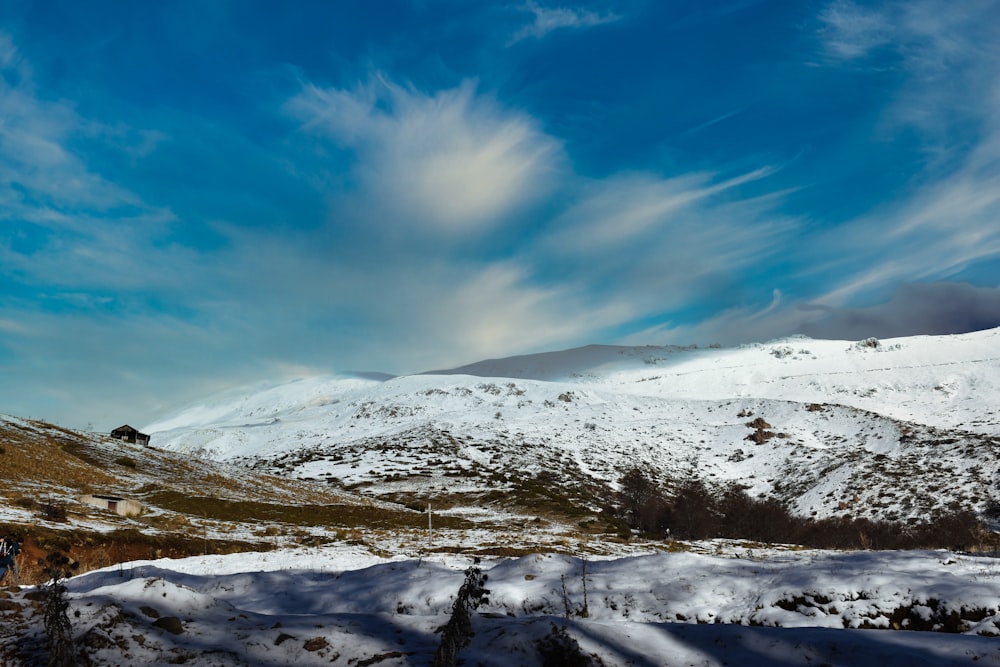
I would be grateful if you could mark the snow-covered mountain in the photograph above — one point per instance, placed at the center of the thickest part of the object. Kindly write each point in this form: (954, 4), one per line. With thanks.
(892, 429)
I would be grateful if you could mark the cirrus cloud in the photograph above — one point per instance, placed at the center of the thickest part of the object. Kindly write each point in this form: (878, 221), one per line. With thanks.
(547, 19)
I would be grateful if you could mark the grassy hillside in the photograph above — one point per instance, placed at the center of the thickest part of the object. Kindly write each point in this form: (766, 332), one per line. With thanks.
(189, 506)
(192, 506)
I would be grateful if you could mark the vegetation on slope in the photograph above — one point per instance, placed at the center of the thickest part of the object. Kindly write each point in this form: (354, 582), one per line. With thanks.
(693, 509)
(190, 507)
(196, 506)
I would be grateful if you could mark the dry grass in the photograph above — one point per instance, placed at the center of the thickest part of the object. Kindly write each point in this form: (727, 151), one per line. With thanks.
(191, 505)
(90, 550)
(44, 457)
(370, 515)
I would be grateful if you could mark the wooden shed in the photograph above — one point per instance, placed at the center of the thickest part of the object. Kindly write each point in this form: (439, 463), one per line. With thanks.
(129, 434)
(120, 506)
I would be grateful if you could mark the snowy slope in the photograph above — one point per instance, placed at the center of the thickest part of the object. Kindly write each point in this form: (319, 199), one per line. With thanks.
(893, 429)
(340, 605)
(946, 381)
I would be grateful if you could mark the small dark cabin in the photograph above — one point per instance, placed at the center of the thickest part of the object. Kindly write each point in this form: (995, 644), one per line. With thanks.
(129, 434)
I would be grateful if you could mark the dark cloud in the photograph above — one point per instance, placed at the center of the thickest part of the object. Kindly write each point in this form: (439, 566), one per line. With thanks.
(915, 309)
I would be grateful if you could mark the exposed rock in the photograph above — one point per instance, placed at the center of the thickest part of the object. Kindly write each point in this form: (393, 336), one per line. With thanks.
(315, 644)
(171, 624)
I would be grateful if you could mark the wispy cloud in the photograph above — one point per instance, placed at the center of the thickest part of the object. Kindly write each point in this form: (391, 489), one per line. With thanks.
(713, 121)
(34, 159)
(945, 55)
(947, 64)
(913, 309)
(65, 225)
(452, 162)
(732, 326)
(548, 19)
(621, 209)
(852, 31)
(661, 244)
(396, 226)
(469, 312)
(596, 254)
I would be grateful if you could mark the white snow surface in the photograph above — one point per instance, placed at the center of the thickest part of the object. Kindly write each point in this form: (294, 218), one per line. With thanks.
(341, 605)
(946, 381)
(842, 413)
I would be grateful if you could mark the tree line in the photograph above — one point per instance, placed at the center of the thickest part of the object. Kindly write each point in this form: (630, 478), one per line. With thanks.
(692, 509)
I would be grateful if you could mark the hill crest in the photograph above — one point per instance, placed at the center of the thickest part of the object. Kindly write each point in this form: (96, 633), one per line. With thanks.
(885, 429)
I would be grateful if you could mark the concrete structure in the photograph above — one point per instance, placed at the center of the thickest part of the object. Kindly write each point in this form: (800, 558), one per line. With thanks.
(120, 506)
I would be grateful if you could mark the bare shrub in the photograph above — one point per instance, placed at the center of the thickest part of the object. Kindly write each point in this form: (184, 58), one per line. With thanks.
(458, 630)
(54, 512)
(992, 510)
(559, 649)
(126, 461)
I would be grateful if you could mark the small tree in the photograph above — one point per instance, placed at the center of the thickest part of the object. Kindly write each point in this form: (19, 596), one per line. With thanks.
(58, 630)
(693, 513)
(636, 492)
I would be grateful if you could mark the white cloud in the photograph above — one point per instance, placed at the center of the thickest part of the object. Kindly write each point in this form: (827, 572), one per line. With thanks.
(549, 19)
(658, 244)
(621, 209)
(15, 327)
(11, 62)
(40, 179)
(498, 311)
(65, 227)
(452, 162)
(121, 254)
(426, 311)
(946, 55)
(850, 31)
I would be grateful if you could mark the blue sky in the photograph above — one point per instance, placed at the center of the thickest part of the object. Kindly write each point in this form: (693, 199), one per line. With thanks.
(200, 195)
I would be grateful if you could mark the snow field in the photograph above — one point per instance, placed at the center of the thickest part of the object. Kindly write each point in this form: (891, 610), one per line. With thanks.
(342, 605)
(836, 443)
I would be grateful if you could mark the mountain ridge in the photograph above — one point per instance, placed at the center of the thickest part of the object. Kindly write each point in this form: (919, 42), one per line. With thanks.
(852, 427)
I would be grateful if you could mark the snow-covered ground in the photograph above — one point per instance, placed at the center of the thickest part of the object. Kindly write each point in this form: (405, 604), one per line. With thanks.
(896, 429)
(905, 427)
(945, 381)
(933, 380)
(342, 605)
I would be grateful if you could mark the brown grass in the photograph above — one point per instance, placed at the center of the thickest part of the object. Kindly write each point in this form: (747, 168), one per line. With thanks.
(92, 550)
(43, 458)
(371, 516)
